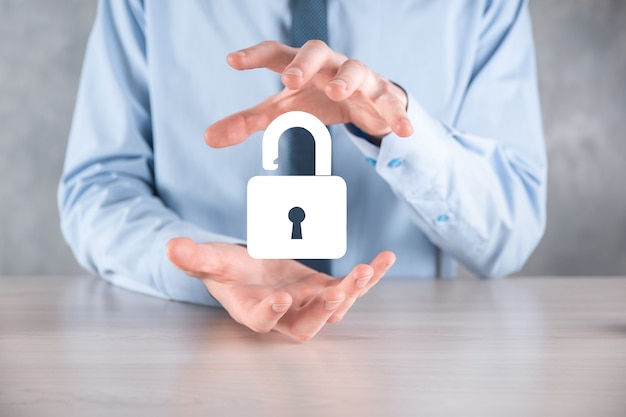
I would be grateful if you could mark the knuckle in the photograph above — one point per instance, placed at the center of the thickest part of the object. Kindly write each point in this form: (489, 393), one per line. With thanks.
(387, 88)
(253, 119)
(315, 43)
(378, 99)
(270, 43)
(356, 63)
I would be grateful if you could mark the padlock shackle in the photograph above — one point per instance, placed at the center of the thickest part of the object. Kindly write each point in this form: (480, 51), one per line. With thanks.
(285, 121)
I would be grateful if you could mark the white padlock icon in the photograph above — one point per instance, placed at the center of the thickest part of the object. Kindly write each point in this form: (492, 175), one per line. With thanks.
(297, 217)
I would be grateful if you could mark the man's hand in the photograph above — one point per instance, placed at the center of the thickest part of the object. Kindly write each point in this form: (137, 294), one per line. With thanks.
(319, 81)
(281, 295)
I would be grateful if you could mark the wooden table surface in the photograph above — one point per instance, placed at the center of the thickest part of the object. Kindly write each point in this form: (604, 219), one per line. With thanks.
(72, 346)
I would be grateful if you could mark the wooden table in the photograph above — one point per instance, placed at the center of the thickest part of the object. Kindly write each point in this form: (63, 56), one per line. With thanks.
(529, 347)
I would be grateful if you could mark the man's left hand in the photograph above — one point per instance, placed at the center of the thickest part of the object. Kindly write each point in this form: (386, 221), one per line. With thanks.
(319, 81)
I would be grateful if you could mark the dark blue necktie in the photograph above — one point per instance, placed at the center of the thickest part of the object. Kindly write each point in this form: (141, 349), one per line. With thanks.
(308, 22)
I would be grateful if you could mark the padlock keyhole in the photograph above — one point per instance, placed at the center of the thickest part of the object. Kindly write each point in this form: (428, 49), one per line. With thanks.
(296, 216)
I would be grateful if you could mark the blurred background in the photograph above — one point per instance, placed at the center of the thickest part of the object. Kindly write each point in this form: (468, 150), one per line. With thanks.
(581, 53)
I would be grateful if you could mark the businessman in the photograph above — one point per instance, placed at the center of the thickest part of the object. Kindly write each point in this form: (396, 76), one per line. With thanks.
(436, 128)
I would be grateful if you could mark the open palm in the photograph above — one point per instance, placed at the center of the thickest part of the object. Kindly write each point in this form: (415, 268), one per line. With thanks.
(281, 295)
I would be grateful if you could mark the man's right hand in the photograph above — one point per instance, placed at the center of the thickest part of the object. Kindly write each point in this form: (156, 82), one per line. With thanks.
(275, 294)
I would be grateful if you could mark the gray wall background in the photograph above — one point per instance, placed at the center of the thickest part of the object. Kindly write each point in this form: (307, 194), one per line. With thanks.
(581, 51)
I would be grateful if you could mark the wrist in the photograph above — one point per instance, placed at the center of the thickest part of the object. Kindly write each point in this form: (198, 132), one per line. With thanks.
(356, 131)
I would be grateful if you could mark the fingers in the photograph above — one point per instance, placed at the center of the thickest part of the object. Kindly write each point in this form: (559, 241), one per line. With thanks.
(305, 322)
(278, 312)
(393, 109)
(347, 76)
(334, 302)
(263, 316)
(237, 127)
(297, 65)
(360, 280)
(352, 285)
(381, 264)
(347, 80)
(312, 58)
(272, 55)
(315, 77)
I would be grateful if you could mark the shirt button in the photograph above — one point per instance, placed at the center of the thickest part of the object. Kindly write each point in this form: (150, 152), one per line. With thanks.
(371, 161)
(443, 218)
(395, 163)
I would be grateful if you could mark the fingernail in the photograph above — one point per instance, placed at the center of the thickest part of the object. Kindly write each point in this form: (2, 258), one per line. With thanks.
(294, 71)
(331, 305)
(341, 83)
(405, 121)
(362, 282)
(233, 55)
(280, 308)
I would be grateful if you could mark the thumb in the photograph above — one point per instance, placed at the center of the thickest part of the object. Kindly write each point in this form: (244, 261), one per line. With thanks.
(209, 260)
(183, 253)
(237, 127)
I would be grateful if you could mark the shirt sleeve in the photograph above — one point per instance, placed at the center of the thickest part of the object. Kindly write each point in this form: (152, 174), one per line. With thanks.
(477, 188)
(110, 216)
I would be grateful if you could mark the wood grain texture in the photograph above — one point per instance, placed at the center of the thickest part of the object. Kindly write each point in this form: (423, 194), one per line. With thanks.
(74, 346)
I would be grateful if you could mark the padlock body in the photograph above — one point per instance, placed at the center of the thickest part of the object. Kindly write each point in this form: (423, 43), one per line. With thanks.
(324, 228)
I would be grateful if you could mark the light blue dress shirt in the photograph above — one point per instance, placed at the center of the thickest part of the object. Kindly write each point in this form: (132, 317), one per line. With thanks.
(469, 185)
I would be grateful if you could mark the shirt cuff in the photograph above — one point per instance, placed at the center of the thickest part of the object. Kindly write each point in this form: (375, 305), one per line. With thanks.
(364, 142)
(416, 169)
(410, 165)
